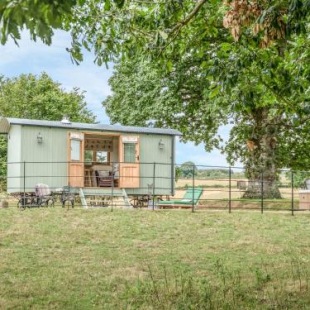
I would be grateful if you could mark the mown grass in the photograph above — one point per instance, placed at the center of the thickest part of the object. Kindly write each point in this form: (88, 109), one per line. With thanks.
(54, 258)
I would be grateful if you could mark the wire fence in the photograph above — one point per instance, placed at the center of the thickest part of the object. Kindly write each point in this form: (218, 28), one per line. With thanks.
(154, 185)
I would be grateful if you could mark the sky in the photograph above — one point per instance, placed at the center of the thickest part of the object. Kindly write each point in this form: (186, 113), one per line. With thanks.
(36, 57)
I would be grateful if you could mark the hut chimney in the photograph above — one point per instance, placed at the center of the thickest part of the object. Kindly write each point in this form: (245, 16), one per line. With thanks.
(65, 120)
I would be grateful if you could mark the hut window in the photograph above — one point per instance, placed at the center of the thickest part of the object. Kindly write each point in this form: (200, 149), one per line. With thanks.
(75, 149)
(96, 156)
(129, 152)
(102, 157)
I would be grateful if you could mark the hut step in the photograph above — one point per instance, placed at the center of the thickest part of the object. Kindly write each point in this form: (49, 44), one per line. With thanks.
(103, 196)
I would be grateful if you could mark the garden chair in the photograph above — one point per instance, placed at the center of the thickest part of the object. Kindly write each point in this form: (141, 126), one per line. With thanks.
(106, 178)
(68, 196)
(44, 195)
(190, 198)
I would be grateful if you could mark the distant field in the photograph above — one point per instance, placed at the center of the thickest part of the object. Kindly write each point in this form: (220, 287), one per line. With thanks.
(210, 183)
(223, 193)
(216, 182)
(216, 190)
(54, 258)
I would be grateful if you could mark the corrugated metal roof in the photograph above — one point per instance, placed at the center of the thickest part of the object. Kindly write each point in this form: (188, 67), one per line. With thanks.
(6, 122)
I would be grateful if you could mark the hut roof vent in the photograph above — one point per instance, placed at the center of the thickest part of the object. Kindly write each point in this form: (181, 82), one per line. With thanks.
(65, 120)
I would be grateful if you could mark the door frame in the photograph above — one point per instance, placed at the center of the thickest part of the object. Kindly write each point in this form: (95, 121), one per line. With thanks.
(129, 172)
(112, 161)
(75, 166)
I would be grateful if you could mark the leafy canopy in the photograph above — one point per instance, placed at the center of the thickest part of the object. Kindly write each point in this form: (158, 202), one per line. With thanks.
(167, 28)
(39, 97)
(198, 66)
(39, 17)
(258, 91)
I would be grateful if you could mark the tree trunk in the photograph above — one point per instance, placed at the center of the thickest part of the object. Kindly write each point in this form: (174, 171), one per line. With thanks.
(261, 168)
(266, 188)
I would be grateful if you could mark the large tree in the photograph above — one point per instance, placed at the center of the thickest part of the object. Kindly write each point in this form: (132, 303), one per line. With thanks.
(38, 97)
(267, 134)
(257, 79)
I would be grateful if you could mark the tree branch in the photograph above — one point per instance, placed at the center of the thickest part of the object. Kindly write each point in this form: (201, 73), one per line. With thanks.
(174, 32)
(189, 17)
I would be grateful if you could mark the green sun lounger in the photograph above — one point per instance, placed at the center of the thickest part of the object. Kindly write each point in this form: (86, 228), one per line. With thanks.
(190, 198)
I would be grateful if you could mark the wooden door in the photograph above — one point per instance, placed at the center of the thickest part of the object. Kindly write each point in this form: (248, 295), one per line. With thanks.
(76, 159)
(129, 168)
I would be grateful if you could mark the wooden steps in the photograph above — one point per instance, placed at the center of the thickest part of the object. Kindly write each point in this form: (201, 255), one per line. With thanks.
(104, 197)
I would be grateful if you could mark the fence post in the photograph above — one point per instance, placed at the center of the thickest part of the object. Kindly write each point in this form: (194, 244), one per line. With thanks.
(292, 193)
(229, 203)
(24, 185)
(112, 189)
(262, 192)
(153, 193)
(193, 190)
(24, 179)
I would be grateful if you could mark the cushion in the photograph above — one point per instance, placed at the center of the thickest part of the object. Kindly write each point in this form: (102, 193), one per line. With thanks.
(103, 174)
(42, 190)
(101, 167)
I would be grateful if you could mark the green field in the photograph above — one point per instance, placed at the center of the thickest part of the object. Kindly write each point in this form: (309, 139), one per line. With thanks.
(54, 258)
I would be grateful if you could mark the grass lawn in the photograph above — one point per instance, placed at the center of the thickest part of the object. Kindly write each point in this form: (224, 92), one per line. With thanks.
(54, 258)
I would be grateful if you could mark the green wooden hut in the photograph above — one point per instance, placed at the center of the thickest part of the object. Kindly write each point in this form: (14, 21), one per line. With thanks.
(87, 156)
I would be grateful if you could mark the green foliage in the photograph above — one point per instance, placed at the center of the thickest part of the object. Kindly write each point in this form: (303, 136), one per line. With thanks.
(202, 79)
(118, 28)
(188, 170)
(39, 17)
(178, 173)
(42, 17)
(213, 173)
(298, 178)
(38, 97)
(176, 99)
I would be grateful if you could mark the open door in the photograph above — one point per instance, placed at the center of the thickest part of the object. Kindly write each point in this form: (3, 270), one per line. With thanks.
(76, 159)
(129, 168)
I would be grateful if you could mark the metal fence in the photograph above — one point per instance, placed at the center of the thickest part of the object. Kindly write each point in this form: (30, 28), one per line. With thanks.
(223, 188)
